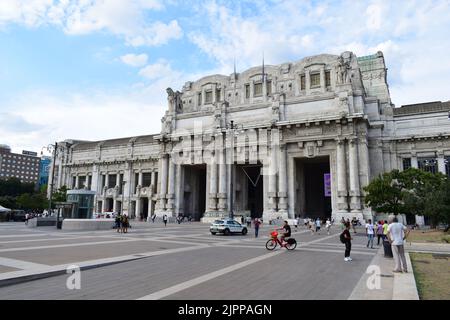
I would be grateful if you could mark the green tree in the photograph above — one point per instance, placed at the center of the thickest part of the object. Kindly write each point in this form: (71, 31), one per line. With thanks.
(60, 195)
(384, 194)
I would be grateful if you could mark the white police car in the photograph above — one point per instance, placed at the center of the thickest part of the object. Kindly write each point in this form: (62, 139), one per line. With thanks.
(227, 226)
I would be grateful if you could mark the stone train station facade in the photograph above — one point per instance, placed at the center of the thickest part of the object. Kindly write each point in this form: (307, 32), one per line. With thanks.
(296, 139)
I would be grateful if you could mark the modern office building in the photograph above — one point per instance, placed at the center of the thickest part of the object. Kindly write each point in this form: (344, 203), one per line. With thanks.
(23, 166)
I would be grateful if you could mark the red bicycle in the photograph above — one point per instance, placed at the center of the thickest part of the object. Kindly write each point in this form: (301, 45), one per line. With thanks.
(272, 243)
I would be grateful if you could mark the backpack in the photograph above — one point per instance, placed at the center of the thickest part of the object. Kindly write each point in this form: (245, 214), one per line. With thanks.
(342, 237)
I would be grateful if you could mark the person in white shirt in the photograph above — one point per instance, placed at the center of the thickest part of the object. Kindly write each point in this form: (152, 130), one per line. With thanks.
(370, 231)
(396, 235)
(328, 225)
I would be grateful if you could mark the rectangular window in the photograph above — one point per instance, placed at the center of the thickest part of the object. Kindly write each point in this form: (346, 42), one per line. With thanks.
(81, 182)
(136, 181)
(199, 99)
(74, 180)
(327, 79)
(427, 164)
(218, 95)
(247, 91)
(146, 179)
(302, 82)
(315, 80)
(89, 184)
(406, 163)
(156, 182)
(208, 97)
(257, 89)
(269, 87)
(112, 182)
(103, 180)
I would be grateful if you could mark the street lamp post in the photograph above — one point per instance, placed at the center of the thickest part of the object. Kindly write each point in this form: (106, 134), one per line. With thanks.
(52, 148)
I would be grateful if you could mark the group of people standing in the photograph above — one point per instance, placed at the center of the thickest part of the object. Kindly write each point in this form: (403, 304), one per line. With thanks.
(122, 223)
(394, 232)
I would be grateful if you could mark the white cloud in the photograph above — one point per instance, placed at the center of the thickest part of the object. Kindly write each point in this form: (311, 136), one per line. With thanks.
(126, 19)
(413, 36)
(135, 60)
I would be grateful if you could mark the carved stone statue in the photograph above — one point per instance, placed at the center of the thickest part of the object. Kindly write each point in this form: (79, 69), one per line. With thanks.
(174, 100)
(343, 69)
(178, 102)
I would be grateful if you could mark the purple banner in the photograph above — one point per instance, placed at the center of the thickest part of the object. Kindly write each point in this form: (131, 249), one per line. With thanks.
(327, 184)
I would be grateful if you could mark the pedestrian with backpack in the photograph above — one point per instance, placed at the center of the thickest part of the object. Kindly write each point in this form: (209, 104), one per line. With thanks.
(346, 239)
(124, 223)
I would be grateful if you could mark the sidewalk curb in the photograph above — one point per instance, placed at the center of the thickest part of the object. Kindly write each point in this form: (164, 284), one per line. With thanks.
(405, 287)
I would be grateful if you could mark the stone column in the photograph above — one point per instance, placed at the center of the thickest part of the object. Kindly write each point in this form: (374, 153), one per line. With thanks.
(106, 181)
(77, 182)
(322, 79)
(282, 182)
(414, 163)
(341, 175)
(307, 82)
(273, 170)
(104, 205)
(213, 182)
(222, 195)
(171, 187)
(164, 177)
(153, 182)
(441, 162)
(95, 175)
(355, 203)
(137, 209)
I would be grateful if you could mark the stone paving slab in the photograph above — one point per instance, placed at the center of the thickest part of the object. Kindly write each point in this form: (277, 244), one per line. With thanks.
(50, 242)
(55, 256)
(131, 280)
(290, 275)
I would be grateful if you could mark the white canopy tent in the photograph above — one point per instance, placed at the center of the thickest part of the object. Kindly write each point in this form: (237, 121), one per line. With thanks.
(3, 209)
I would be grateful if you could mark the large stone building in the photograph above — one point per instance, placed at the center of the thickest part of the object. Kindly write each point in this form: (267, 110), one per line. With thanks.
(300, 138)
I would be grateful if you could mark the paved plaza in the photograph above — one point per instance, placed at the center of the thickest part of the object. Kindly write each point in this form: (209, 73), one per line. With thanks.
(177, 262)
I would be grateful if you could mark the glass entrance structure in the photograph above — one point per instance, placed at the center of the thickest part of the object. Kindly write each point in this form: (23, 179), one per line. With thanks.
(83, 203)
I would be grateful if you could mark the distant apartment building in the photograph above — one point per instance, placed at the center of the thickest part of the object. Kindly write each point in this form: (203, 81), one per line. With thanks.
(23, 166)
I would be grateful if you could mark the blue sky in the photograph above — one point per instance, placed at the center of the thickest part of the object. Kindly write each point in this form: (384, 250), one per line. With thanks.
(98, 69)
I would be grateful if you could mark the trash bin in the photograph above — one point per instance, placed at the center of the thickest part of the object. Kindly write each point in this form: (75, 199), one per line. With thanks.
(387, 249)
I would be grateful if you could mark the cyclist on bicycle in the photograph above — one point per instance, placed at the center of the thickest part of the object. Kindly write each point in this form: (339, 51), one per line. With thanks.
(286, 231)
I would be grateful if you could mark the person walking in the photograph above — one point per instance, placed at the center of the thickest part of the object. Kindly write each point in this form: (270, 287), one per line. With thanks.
(379, 232)
(125, 223)
(27, 217)
(311, 225)
(346, 238)
(318, 224)
(370, 231)
(257, 223)
(117, 221)
(248, 220)
(328, 226)
(354, 223)
(396, 235)
(385, 229)
(153, 218)
(165, 220)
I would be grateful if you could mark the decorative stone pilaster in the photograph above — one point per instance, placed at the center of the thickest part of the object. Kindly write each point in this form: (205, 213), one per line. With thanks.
(342, 191)
(282, 183)
(355, 193)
